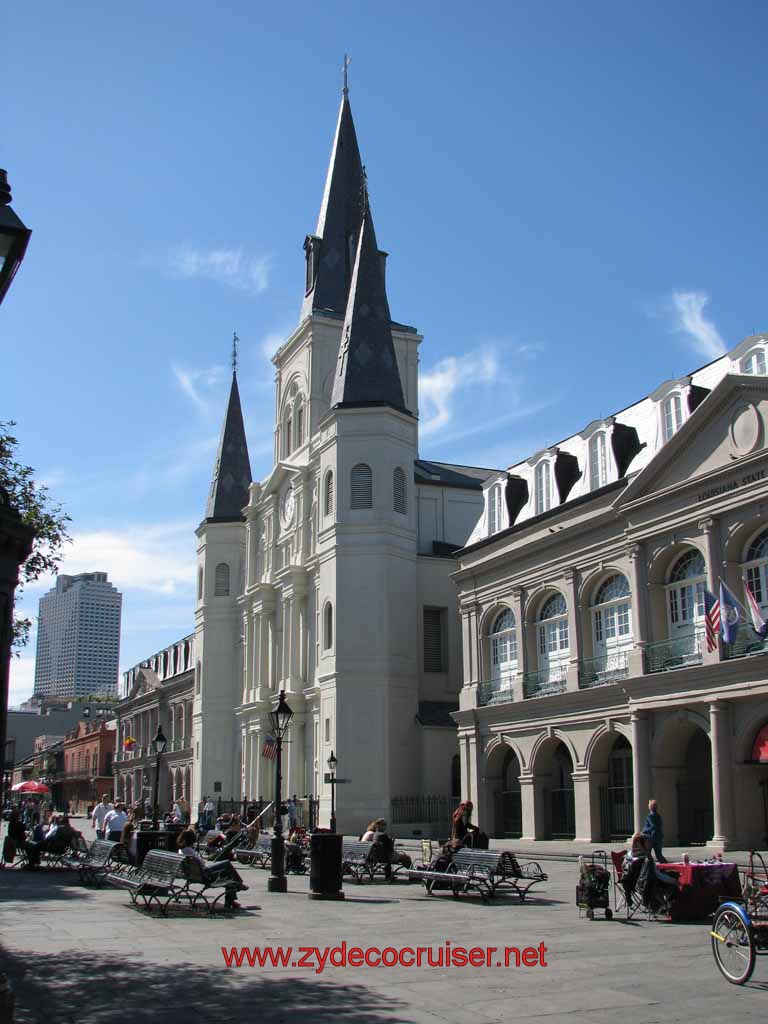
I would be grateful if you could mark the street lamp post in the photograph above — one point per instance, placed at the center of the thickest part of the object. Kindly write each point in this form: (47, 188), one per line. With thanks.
(279, 719)
(332, 763)
(14, 237)
(159, 743)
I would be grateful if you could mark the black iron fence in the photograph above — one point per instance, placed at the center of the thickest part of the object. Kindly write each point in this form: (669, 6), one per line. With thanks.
(617, 812)
(432, 811)
(563, 813)
(306, 810)
(508, 821)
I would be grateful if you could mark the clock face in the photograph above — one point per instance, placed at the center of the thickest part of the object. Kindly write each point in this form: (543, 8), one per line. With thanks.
(288, 507)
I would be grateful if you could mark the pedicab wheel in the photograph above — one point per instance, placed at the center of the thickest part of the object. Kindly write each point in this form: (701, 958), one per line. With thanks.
(733, 947)
(590, 915)
(608, 914)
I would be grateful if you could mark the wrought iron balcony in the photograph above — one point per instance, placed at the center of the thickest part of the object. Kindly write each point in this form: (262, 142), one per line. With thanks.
(667, 655)
(746, 644)
(495, 691)
(604, 669)
(545, 682)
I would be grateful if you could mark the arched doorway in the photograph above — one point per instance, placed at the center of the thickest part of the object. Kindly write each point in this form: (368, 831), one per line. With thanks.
(508, 811)
(555, 807)
(619, 793)
(694, 792)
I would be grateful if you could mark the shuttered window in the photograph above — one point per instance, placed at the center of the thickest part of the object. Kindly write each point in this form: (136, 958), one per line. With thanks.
(328, 499)
(221, 581)
(434, 647)
(362, 486)
(399, 500)
(328, 628)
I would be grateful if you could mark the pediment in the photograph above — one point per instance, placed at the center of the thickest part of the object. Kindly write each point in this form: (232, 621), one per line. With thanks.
(718, 448)
(282, 471)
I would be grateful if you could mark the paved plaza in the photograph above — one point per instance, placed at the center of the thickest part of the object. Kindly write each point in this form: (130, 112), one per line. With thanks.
(85, 955)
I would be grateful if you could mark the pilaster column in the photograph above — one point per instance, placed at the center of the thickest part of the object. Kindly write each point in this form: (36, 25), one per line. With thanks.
(303, 642)
(247, 655)
(638, 607)
(272, 637)
(528, 806)
(257, 653)
(584, 812)
(722, 769)
(574, 629)
(710, 528)
(641, 765)
(245, 758)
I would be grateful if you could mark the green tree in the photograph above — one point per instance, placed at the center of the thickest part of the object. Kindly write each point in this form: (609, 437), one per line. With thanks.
(46, 519)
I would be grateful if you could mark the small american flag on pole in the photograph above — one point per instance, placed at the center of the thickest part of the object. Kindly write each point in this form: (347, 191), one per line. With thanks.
(269, 750)
(712, 619)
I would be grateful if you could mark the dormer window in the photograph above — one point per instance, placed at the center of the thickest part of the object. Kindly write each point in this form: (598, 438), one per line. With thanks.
(598, 464)
(543, 487)
(754, 362)
(672, 415)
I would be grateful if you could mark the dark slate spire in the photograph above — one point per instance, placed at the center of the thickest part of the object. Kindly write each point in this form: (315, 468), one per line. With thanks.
(232, 473)
(331, 250)
(366, 371)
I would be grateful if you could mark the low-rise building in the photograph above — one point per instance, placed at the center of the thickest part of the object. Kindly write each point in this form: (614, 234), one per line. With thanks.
(89, 750)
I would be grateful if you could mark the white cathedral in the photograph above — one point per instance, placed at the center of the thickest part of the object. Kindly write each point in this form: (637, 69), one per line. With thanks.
(331, 578)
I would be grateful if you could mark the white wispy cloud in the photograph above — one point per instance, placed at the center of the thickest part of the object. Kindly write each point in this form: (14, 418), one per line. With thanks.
(200, 386)
(22, 679)
(690, 321)
(233, 267)
(439, 387)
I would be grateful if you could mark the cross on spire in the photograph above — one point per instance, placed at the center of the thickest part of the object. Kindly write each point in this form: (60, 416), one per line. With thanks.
(345, 68)
(235, 340)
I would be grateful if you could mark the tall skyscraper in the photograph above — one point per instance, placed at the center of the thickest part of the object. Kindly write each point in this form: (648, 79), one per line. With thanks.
(78, 637)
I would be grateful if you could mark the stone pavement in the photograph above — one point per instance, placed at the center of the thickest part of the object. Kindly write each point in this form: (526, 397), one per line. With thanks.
(84, 955)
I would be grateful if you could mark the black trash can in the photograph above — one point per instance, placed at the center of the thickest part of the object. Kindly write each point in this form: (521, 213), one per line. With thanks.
(148, 839)
(325, 874)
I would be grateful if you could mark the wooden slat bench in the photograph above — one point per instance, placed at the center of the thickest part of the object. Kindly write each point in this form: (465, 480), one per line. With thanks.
(359, 860)
(96, 861)
(154, 881)
(484, 871)
(198, 889)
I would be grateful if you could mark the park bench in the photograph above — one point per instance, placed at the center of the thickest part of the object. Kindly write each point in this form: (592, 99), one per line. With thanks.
(154, 881)
(484, 871)
(62, 854)
(257, 851)
(96, 861)
(197, 887)
(361, 860)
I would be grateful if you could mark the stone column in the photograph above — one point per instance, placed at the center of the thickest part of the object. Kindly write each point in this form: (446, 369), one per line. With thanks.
(256, 654)
(303, 645)
(641, 765)
(638, 606)
(247, 655)
(528, 806)
(272, 639)
(710, 528)
(722, 772)
(574, 629)
(587, 817)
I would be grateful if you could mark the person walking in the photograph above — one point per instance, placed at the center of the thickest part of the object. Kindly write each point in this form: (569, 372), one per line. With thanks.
(100, 811)
(114, 822)
(654, 829)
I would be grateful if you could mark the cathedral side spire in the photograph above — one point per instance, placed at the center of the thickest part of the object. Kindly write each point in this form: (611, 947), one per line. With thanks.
(232, 473)
(366, 371)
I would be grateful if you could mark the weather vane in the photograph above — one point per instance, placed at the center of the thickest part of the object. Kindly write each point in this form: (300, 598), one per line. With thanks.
(345, 68)
(235, 340)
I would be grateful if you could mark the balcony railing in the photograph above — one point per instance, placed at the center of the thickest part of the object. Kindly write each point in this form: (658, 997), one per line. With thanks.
(495, 691)
(604, 669)
(668, 655)
(746, 644)
(545, 682)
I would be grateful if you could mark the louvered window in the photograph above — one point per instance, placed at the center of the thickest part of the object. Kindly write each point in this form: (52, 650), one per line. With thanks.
(362, 486)
(328, 628)
(399, 499)
(328, 499)
(434, 647)
(221, 583)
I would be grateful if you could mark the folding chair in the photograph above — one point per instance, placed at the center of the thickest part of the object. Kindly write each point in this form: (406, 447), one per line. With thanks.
(628, 901)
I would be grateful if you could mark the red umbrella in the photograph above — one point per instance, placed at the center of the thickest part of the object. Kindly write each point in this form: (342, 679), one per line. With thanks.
(30, 787)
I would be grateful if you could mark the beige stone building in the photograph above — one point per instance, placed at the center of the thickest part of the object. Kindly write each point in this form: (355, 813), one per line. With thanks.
(588, 685)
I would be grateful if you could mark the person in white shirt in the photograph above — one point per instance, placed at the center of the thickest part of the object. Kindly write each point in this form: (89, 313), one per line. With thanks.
(100, 811)
(222, 870)
(114, 821)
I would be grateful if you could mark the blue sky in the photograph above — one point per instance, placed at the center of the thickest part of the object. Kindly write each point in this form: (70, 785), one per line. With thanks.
(572, 195)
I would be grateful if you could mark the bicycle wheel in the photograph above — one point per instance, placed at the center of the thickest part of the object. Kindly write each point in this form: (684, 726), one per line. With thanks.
(733, 947)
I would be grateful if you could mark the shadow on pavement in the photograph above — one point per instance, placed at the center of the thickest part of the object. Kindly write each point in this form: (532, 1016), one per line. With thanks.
(78, 988)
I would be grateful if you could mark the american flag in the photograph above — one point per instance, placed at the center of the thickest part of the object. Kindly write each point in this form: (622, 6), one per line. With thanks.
(269, 750)
(712, 619)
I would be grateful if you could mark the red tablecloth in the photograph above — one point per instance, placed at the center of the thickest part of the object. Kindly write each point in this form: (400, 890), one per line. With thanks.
(702, 887)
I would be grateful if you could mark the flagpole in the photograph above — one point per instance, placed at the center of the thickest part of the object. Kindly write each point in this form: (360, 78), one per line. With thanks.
(738, 602)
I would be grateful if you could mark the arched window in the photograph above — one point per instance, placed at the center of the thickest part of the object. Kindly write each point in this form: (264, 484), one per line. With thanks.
(399, 499)
(328, 494)
(553, 638)
(756, 564)
(362, 486)
(503, 646)
(328, 627)
(221, 582)
(298, 420)
(200, 584)
(754, 362)
(611, 621)
(287, 438)
(672, 415)
(598, 464)
(494, 509)
(685, 592)
(543, 488)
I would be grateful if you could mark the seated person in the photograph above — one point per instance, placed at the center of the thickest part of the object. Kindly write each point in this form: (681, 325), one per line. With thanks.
(58, 837)
(217, 872)
(462, 828)
(653, 885)
(384, 847)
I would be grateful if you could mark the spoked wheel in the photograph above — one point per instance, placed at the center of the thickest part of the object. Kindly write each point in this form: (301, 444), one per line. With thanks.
(733, 946)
